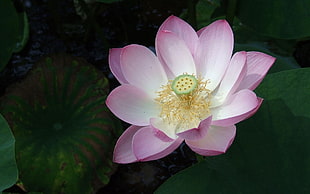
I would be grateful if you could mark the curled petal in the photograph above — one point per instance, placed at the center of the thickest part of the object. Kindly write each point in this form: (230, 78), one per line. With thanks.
(114, 63)
(197, 133)
(168, 129)
(258, 65)
(132, 105)
(123, 152)
(214, 51)
(161, 135)
(236, 109)
(182, 29)
(252, 112)
(175, 53)
(142, 69)
(216, 141)
(146, 146)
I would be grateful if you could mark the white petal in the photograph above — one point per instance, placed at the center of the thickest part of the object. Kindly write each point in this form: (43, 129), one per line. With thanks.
(214, 52)
(168, 129)
(132, 105)
(175, 53)
(183, 30)
(142, 69)
(231, 80)
(235, 109)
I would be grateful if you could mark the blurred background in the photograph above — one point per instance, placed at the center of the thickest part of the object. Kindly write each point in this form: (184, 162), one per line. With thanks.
(34, 29)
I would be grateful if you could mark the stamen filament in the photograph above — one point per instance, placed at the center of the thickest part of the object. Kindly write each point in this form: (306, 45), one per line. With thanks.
(184, 108)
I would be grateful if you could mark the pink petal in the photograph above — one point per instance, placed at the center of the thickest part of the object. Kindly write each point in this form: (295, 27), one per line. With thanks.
(132, 105)
(197, 133)
(175, 53)
(123, 152)
(214, 51)
(252, 112)
(142, 69)
(168, 129)
(232, 78)
(199, 32)
(258, 65)
(161, 135)
(114, 63)
(169, 74)
(217, 141)
(238, 107)
(146, 146)
(182, 29)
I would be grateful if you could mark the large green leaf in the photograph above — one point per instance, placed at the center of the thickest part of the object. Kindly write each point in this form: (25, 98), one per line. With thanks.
(64, 132)
(277, 18)
(271, 152)
(8, 169)
(14, 31)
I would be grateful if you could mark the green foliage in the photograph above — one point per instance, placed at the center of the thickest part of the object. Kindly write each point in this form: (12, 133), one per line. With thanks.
(204, 11)
(64, 132)
(249, 40)
(8, 168)
(278, 18)
(14, 31)
(271, 152)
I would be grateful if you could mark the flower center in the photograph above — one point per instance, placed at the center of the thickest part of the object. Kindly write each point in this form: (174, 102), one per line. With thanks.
(184, 84)
(184, 102)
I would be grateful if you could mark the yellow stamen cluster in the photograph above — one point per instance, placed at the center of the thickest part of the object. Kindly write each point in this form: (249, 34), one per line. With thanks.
(184, 101)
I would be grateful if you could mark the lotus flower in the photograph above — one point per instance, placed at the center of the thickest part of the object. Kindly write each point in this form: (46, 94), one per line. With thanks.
(193, 89)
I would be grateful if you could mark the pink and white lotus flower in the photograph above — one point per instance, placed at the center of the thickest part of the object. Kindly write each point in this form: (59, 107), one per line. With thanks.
(193, 89)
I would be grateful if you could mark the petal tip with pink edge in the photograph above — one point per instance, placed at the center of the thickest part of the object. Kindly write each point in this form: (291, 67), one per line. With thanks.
(123, 152)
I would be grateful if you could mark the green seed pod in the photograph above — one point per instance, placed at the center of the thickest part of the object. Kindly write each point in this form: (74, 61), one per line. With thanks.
(64, 132)
(184, 84)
